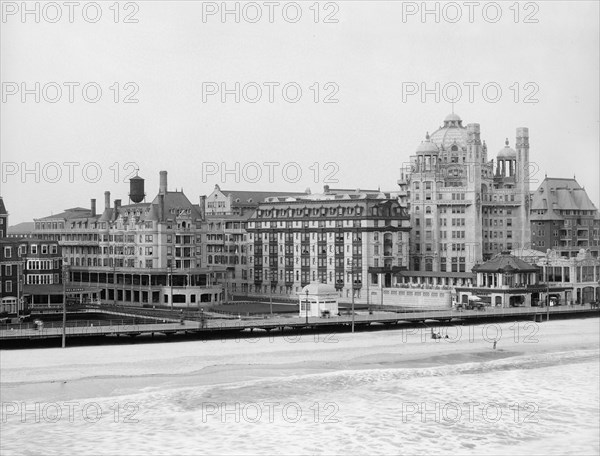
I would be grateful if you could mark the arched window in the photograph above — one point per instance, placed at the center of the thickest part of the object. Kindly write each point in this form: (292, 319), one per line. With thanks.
(428, 264)
(428, 210)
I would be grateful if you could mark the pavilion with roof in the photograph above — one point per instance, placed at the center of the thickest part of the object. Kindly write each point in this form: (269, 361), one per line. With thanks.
(506, 281)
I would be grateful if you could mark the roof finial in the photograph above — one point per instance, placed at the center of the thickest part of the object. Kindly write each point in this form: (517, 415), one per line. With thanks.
(427, 136)
(506, 142)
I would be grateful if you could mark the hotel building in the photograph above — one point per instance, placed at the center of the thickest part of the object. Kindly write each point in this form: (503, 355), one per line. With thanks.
(464, 207)
(30, 271)
(142, 253)
(563, 218)
(226, 239)
(351, 239)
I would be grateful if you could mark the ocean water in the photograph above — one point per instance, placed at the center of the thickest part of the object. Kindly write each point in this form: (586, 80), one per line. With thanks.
(523, 404)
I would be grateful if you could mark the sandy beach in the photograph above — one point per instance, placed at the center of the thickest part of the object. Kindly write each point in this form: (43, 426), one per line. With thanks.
(362, 375)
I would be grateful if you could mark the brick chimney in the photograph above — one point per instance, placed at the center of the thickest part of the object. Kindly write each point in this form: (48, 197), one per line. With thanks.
(93, 207)
(203, 207)
(117, 207)
(162, 188)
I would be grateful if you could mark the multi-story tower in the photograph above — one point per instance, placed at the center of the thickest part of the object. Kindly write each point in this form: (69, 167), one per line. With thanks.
(351, 239)
(563, 218)
(523, 179)
(465, 208)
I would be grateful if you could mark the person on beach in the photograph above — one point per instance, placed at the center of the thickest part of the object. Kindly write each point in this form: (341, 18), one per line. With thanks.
(495, 344)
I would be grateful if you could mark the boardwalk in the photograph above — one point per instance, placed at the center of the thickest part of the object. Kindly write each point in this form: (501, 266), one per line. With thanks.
(26, 332)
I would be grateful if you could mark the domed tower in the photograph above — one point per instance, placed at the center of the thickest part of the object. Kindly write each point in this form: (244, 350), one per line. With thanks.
(452, 137)
(427, 155)
(423, 187)
(506, 163)
(136, 189)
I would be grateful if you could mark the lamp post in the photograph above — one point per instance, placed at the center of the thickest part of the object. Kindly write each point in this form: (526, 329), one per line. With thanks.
(306, 307)
(170, 276)
(64, 306)
(352, 295)
(20, 302)
(115, 281)
(547, 296)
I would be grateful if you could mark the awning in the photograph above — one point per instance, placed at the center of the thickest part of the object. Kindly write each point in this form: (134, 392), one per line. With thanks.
(57, 289)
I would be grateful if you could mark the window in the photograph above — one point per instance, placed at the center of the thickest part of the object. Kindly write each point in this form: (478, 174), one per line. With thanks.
(7, 252)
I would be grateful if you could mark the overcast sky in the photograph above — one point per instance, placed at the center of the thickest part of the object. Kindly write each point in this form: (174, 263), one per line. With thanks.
(371, 57)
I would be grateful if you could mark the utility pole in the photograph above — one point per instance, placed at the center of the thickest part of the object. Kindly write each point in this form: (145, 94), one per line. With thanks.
(64, 307)
(352, 294)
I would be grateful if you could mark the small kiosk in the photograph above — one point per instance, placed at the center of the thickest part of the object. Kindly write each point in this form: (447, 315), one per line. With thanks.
(318, 300)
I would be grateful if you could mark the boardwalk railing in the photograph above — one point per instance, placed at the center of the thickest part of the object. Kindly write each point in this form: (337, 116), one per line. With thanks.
(130, 327)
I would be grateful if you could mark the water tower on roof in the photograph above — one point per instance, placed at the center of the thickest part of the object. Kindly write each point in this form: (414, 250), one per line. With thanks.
(136, 189)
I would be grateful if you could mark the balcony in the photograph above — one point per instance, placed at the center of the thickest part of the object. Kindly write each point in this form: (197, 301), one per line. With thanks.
(79, 243)
(386, 269)
(443, 202)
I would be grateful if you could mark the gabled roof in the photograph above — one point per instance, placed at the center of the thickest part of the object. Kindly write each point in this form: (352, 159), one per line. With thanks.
(21, 228)
(177, 201)
(2, 207)
(527, 253)
(251, 198)
(67, 214)
(505, 262)
(556, 194)
(318, 289)
(350, 190)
